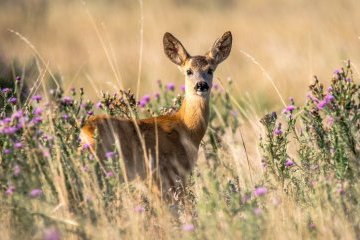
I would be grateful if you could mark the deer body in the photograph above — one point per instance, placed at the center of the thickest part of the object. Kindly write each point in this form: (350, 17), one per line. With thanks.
(165, 147)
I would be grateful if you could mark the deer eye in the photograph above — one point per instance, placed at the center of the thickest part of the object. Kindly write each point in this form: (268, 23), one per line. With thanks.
(189, 72)
(210, 71)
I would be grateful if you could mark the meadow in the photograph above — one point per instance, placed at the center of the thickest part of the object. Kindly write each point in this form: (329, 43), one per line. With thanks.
(280, 159)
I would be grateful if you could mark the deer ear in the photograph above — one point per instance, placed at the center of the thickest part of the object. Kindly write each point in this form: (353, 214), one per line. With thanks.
(174, 49)
(221, 48)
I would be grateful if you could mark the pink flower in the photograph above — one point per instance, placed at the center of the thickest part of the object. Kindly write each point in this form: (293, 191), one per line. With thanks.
(51, 234)
(188, 227)
(289, 163)
(35, 193)
(10, 190)
(139, 209)
(16, 170)
(170, 87)
(260, 191)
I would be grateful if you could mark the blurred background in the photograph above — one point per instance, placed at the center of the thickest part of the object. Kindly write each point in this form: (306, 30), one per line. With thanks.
(85, 43)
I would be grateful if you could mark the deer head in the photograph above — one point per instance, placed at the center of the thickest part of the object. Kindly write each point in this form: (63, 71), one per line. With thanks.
(198, 70)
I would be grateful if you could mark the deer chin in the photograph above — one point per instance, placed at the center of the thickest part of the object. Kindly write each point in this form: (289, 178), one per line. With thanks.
(203, 93)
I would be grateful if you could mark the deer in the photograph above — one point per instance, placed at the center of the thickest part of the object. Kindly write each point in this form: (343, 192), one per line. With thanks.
(164, 148)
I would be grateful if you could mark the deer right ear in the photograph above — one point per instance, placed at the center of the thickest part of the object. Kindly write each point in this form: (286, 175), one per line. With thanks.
(174, 49)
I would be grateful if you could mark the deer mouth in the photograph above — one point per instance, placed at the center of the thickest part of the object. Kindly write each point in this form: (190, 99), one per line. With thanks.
(201, 88)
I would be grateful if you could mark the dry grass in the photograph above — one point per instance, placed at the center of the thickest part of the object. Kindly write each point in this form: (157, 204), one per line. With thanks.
(290, 41)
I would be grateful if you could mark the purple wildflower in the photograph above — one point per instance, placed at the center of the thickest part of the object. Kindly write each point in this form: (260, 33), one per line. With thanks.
(142, 103)
(38, 111)
(341, 191)
(36, 98)
(289, 109)
(18, 78)
(330, 121)
(86, 146)
(51, 234)
(258, 211)
(329, 98)
(216, 86)
(98, 105)
(65, 117)
(12, 100)
(10, 190)
(16, 170)
(36, 120)
(182, 87)
(170, 86)
(7, 151)
(109, 174)
(146, 98)
(9, 130)
(246, 198)
(188, 227)
(6, 90)
(337, 71)
(18, 145)
(348, 80)
(67, 100)
(278, 130)
(86, 168)
(109, 154)
(289, 163)
(90, 113)
(321, 104)
(260, 191)
(139, 209)
(17, 114)
(35, 193)
(330, 89)
(6, 121)
(157, 96)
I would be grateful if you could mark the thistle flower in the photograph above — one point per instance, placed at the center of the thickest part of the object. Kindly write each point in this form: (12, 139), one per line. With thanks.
(16, 170)
(37, 98)
(109, 154)
(170, 87)
(6, 90)
(289, 109)
(289, 163)
(90, 113)
(139, 209)
(17, 114)
(51, 234)
(99, 105)
(10, 190)
(86, 146)
(37, 111)
(188, 227)
(9, 130)
(35, 193)
(65, 117)
(258, 211)
(157, 96)
(7, 151)
(278, 130)
(260, 191)
(12, 100)
(18, 145)
(109, 174)
(182, 87)
(67, 100)
(142, 103)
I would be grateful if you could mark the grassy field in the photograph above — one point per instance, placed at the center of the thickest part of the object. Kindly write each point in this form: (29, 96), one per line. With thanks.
(280, 159)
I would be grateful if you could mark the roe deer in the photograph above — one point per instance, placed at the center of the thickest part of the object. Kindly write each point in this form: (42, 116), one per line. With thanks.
(165, 147)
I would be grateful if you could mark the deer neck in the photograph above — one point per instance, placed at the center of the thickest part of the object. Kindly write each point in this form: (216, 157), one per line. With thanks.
(194, 113)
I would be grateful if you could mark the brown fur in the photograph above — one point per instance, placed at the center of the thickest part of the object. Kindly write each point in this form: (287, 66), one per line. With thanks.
(164, 146)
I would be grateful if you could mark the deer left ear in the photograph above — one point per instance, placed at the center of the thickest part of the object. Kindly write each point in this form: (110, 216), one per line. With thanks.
(221, 48)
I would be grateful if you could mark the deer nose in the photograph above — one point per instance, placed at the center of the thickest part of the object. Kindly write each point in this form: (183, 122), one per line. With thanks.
(201, 86)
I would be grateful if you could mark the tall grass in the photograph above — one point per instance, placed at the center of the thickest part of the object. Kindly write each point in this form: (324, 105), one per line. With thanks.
(305, 186)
